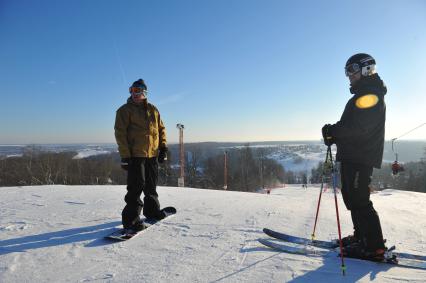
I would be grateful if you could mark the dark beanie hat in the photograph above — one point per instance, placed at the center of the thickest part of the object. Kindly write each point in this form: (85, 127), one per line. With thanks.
(139, 83)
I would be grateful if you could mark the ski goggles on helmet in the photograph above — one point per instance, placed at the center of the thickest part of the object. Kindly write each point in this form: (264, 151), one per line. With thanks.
(352, 69)
(138, 90)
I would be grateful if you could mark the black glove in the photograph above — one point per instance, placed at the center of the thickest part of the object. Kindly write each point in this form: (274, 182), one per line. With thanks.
(125, 162)
(327, 136)
(162, 155)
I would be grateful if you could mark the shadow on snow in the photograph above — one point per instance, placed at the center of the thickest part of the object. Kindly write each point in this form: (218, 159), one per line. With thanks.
(330, 270)
(58, 238)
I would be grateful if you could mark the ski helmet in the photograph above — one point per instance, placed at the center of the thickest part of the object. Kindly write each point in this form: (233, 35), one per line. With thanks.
(360, 62)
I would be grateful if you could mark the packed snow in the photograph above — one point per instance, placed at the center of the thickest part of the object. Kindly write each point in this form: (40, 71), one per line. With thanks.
(56, 234)
(89, 153)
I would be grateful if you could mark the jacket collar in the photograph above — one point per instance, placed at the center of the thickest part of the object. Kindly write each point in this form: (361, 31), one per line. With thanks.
(371, 84)
(143, 104)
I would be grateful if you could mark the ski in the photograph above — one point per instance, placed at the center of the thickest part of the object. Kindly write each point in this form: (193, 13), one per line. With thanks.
(305, 250)
(313, 251)
(328, 244)
(300, 240)
(121, 235)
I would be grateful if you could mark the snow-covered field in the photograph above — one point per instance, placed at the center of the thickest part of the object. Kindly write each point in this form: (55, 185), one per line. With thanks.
(55, 234)
(85, 153)
(300, 161)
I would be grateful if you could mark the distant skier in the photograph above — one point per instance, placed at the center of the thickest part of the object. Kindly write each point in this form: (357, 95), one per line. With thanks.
(359, 137)
(305, 181)
(141, 139)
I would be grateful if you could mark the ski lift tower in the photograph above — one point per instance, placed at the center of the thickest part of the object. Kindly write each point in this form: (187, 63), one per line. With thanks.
(225, 173)
(181, 179)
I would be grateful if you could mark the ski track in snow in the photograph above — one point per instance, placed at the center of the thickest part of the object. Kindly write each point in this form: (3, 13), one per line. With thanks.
(55, 234)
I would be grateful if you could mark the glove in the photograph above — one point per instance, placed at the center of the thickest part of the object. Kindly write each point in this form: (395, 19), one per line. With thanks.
(162, 155)
(326, 134)
(125, 162)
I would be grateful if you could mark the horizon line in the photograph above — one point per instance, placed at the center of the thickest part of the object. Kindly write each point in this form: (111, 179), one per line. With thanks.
(190, 142)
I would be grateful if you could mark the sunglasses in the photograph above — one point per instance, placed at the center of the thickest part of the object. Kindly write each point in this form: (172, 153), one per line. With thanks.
(138, 90)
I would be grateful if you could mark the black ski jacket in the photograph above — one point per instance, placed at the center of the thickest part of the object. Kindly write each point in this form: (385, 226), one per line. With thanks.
(360, 133)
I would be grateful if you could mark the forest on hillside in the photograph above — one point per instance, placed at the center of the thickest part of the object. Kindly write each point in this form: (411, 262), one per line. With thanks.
(247, 169)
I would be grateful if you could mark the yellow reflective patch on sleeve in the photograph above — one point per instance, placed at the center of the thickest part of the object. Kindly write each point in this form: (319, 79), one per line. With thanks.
(367, 101)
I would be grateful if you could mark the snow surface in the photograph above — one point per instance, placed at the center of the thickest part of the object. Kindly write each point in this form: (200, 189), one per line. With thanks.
(85, 153)
(56, 234)
(300, 161)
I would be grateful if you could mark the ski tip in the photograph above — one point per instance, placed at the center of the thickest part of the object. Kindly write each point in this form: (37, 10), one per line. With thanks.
(391, 249)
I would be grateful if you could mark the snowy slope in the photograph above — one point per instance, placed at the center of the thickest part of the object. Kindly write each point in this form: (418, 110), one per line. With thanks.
(85, 153)
(55, 234)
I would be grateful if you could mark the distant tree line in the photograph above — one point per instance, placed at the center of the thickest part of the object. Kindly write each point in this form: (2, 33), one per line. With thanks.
(412, 178)
(248, 169)
(37, 167)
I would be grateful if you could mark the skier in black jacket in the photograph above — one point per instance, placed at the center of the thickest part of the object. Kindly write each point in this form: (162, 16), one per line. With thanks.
(359, 137)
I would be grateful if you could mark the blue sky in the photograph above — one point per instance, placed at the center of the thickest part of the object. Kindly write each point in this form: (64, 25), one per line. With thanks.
(228, 70)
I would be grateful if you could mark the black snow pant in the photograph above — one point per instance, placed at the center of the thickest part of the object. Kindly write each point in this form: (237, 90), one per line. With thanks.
(142, 176)
(356, 179)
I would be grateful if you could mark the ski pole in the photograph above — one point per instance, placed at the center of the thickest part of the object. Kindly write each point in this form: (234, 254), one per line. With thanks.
(326, 164)
(318, 206)
(333, 172)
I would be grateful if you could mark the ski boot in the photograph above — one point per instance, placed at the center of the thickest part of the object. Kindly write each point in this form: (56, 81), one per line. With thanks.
(348, 240)
(357, 250)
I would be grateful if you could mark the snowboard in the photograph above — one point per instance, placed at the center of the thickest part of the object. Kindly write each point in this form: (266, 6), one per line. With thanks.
(331, 248)
(120, 235)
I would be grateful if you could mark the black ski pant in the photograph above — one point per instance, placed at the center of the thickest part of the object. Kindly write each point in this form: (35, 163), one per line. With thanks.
(356, 179)
(142, 176)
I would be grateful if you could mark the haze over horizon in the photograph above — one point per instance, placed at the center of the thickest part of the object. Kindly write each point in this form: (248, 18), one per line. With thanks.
(194, 142)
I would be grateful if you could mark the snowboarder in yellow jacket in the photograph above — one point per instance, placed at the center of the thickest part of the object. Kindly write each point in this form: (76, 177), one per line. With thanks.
(141, 140)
